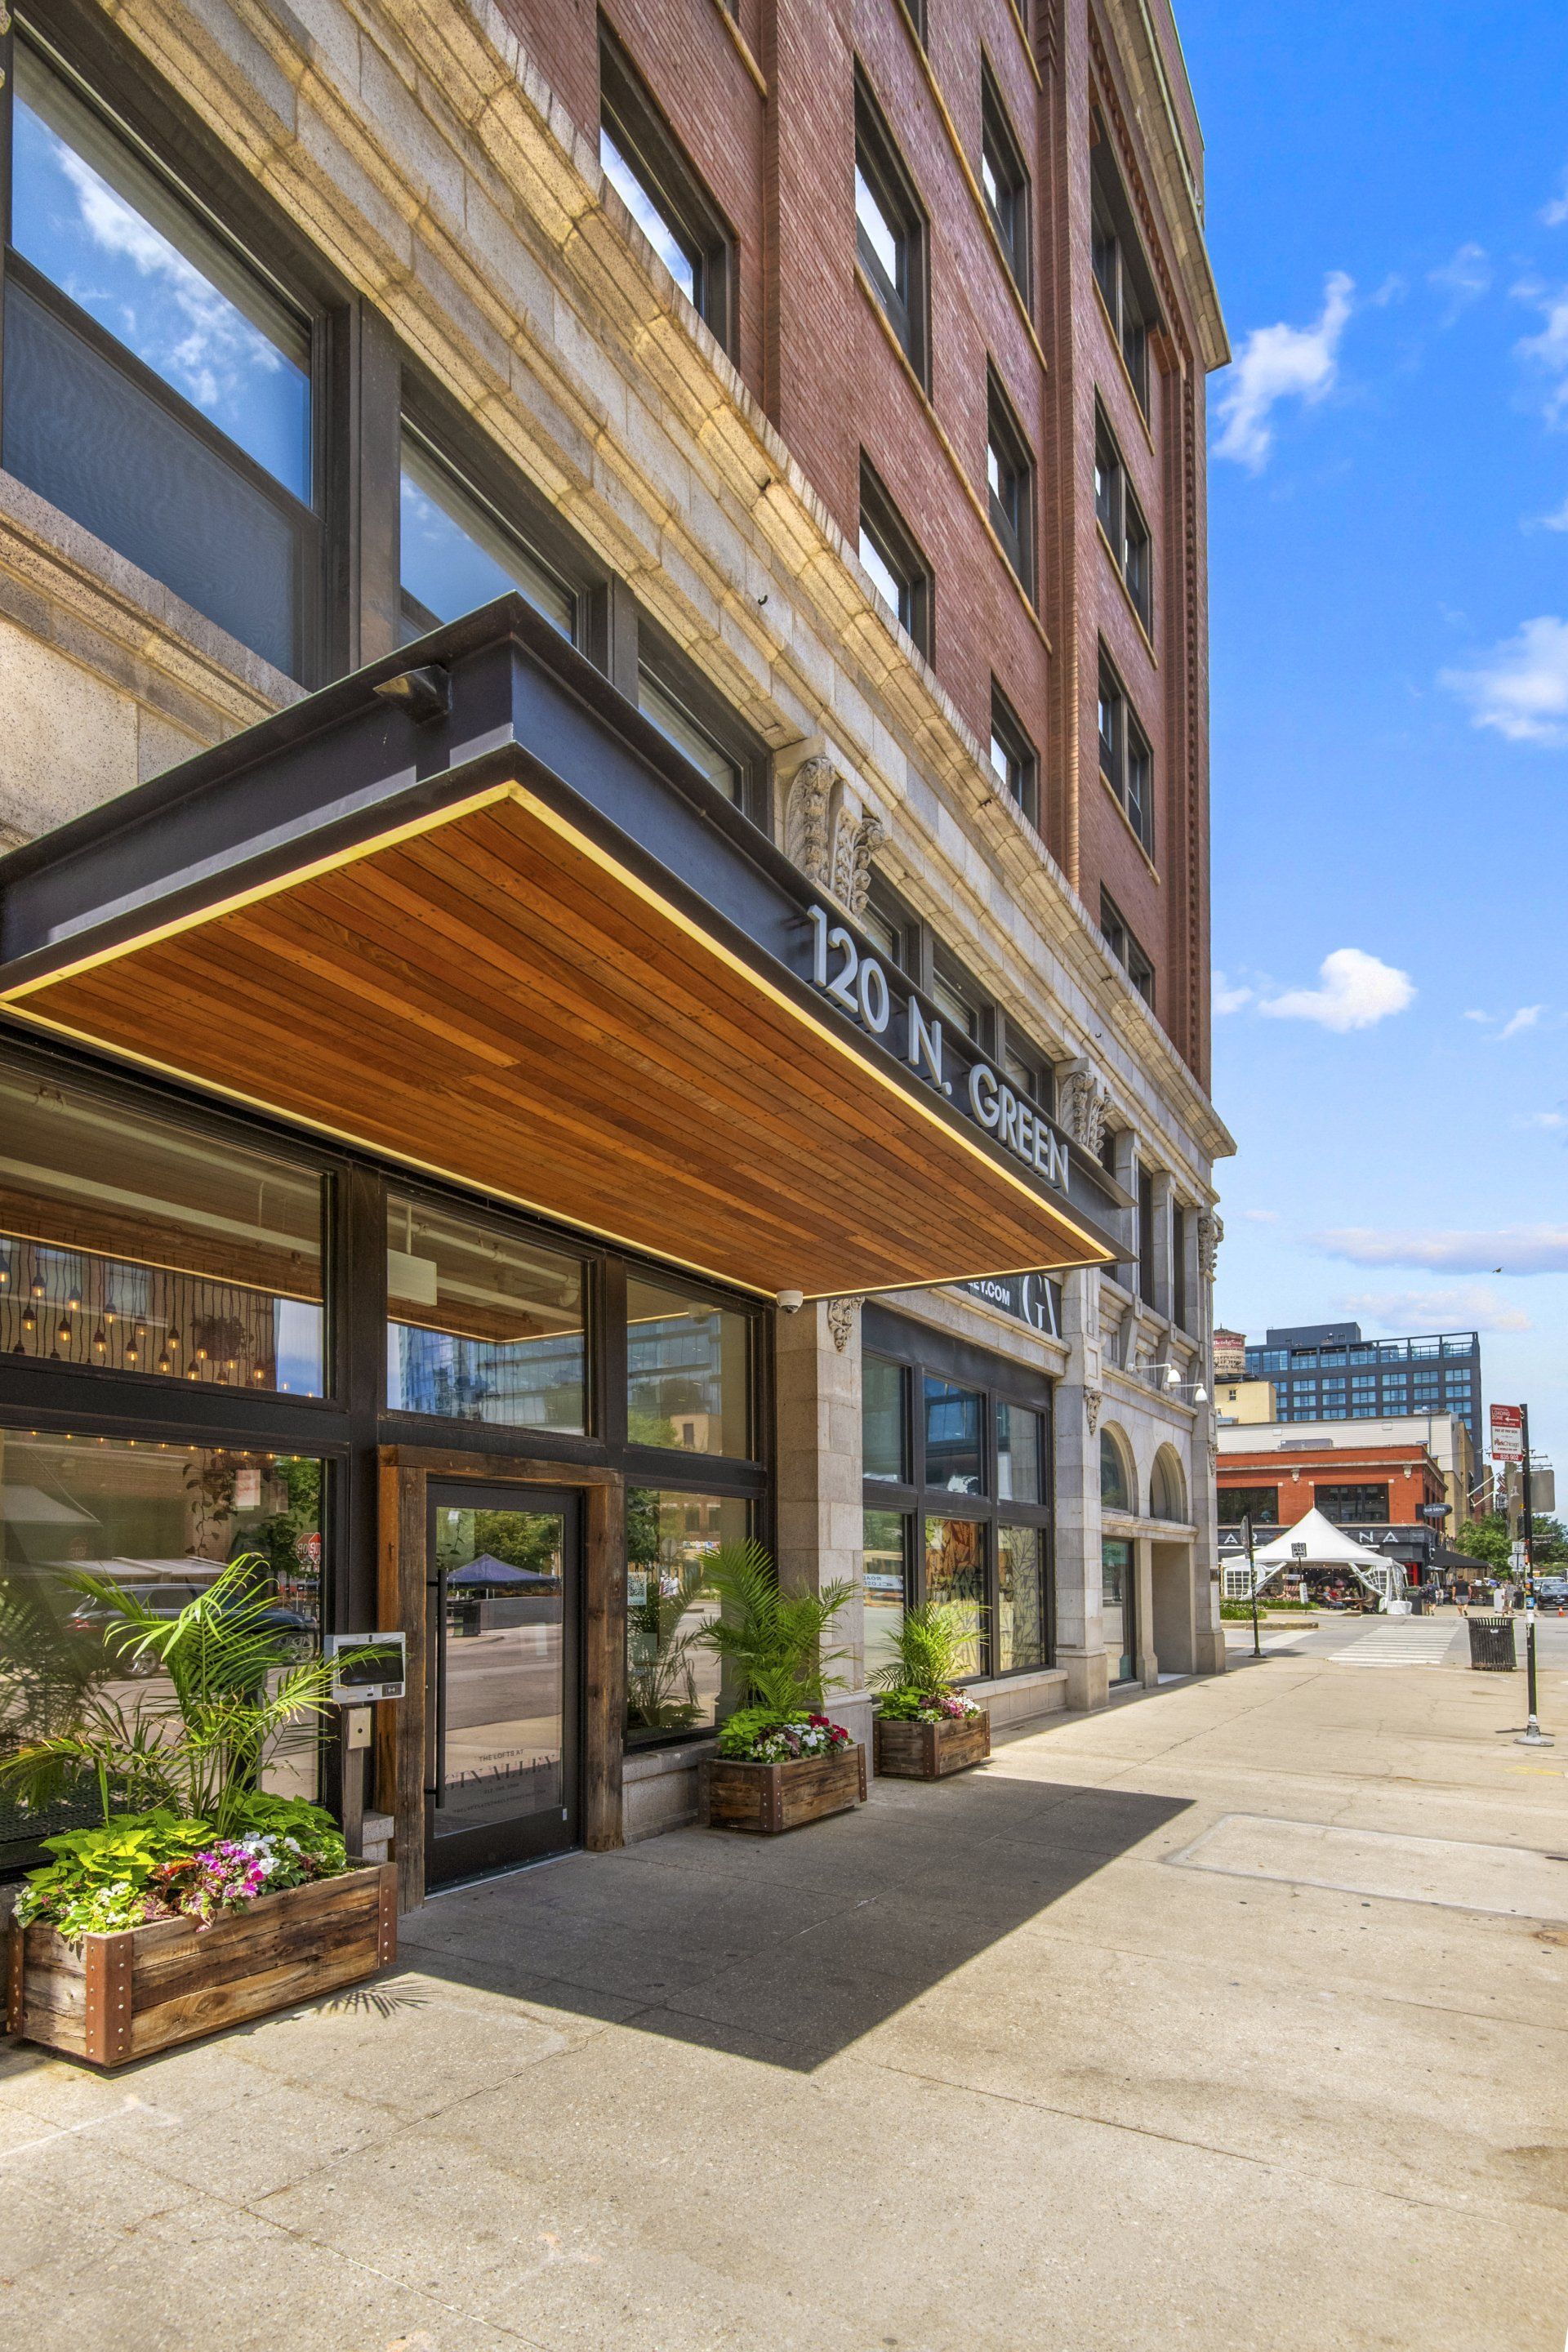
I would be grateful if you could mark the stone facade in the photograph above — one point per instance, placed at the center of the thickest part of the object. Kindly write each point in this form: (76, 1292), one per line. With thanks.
(440, 158)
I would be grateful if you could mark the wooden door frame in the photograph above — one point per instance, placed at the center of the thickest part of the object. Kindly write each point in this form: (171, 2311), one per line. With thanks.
(403, 1475)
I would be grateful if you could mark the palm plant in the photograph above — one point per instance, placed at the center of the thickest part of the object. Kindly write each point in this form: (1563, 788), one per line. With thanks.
(935, 1649)
(661, 1679)
(773, 1641)
(200, 1749)
(47, 1673)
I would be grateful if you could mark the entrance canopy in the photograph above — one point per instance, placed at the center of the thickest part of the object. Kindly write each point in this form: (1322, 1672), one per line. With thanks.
(470, 909)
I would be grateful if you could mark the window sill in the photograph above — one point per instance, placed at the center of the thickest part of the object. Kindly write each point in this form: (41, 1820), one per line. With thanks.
(966, 486)
(1138, 407)
(1127, 597)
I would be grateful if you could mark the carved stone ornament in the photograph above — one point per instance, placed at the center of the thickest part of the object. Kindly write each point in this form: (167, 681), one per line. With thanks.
(1214, 1455)
(1211, 1233)
(841, 1314)
(827, 833)
(1085, 1103)
(1092, 1409)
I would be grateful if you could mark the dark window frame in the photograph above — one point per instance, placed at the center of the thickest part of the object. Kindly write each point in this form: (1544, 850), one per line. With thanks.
(1011, 506)
(643, 132)
(1002, 158)
(1235, 1502)
(702, 704)
(921, 1354)
(1120, 267)
(1124, 944)
(1329, 1499)
(1126, 755)
(1120, 517)
(878, 162)
(481, 474)
(885, 527)
(1008, 734)
(167, 138)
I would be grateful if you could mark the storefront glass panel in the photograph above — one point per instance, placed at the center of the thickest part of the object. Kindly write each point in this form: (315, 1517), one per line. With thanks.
(1116, 1601)
(672, 1678)
(130, 1243)
(1021, 1598)
(1018, 1452)
(954, 1419)
(882, 1420)
(482, 1324)
(955, 1571)
(886, 1540)
(160, 1520)
(685, 1372)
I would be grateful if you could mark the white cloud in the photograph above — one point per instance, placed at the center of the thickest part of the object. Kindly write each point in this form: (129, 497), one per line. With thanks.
(1506, 1249)
(1261, 1216)
(1478, 1016)
(1525, 1018)
(1556, 521)
(1464, 1305)
(1556, 213)
(1357, 990)
(1521, 688)
(1551, 1120)
(1464, 277)
(1547, 352)
(1228, 999)
(1281, 362)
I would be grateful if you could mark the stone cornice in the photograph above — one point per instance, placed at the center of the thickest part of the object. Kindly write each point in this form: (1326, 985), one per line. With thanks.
(1132, 36)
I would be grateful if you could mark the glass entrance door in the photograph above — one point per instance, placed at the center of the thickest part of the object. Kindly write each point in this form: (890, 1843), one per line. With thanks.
(1116, 1601)
(502, 1603)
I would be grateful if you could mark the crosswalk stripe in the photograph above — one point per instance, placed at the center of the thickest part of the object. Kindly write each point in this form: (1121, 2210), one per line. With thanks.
(1398, 1645)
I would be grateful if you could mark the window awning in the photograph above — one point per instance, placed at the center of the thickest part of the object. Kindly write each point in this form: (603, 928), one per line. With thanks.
(513, 941)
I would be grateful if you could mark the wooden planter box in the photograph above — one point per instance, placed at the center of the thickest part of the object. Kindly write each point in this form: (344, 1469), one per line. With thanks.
(930, 1751)
(766, 1798)
(114, 1998)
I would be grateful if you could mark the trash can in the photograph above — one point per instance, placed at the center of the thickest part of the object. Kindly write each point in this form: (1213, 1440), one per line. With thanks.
(1491, 1644)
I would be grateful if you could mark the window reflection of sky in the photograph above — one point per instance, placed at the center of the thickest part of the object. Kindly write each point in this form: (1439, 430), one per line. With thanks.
(647, 216)
(90, 240)
(444, 565)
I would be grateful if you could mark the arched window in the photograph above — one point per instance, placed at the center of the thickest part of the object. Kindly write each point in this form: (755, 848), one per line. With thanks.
(1167, 1488)
(1115, 1475)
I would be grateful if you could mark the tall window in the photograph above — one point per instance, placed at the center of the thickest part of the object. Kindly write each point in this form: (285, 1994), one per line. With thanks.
(1145, 1236)
(157, 381)
(1125, 760)
(890, 236)
(1004, 180)
(1014, 760)
(1028, 1072)
(649, 172)
(687, 1371)
(456, 552)
(957, 1497)
(1121, 520)
(1359, 1506)
(1120, 271)
(1010, 483)
(660, 698)
(1125, 947)
(1259, 1503)
(892, 554)
(482, 1324)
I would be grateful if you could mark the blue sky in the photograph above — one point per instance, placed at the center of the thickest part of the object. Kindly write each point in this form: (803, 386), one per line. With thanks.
(1389, 219)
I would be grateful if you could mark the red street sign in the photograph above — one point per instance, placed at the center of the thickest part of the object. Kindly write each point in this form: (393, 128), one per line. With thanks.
(1508, 1433)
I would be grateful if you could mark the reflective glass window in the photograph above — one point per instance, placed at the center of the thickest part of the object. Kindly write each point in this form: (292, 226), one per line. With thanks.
(882, 1422)
(456, 554)
(161, 1521)
(672, 1678)
(672, 719)
(131, 1244)
(953, 1422)
(886, 1536)
(1018, 1452)
(955, 1572)
(686, 1371)
(1022, 1638)
(482, 1325)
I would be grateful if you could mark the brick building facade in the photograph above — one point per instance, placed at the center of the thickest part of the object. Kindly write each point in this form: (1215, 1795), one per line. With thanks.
(800, 408)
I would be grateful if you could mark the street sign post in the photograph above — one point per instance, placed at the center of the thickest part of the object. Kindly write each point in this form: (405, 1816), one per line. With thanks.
(1508, 1429)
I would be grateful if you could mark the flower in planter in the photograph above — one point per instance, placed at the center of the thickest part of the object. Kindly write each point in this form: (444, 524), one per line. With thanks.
(935, 1643)
(773, 1643)
(155, 1865)
(758, 1735)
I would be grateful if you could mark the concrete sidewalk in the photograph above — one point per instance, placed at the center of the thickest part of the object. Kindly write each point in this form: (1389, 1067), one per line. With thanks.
(1217, 2020)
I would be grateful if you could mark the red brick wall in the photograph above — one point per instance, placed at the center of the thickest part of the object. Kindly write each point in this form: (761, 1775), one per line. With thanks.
(812, 349)
(1411, 1478)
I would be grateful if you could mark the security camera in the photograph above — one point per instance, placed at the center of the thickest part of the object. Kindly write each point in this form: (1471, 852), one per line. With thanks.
(792, 1301)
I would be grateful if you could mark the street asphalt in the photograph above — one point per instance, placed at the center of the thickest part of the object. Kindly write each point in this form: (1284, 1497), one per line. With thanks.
(1230, 2017)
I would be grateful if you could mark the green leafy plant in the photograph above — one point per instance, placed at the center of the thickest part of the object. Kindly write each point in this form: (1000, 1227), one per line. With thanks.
(661, 1676)
(936, 1647)
(141, 1866)
(200, 1749)
(772, 1642)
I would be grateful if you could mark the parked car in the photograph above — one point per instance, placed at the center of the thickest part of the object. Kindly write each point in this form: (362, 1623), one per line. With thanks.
(166, 1601)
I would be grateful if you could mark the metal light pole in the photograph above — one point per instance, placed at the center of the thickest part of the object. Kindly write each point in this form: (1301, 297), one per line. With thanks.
(1252, 1579)
(1532, 1735)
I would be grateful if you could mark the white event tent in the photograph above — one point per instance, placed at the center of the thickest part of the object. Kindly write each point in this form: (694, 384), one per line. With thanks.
(1326, 1546)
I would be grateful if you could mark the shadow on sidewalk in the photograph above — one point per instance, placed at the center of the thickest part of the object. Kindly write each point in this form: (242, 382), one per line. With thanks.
(783, 1950)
